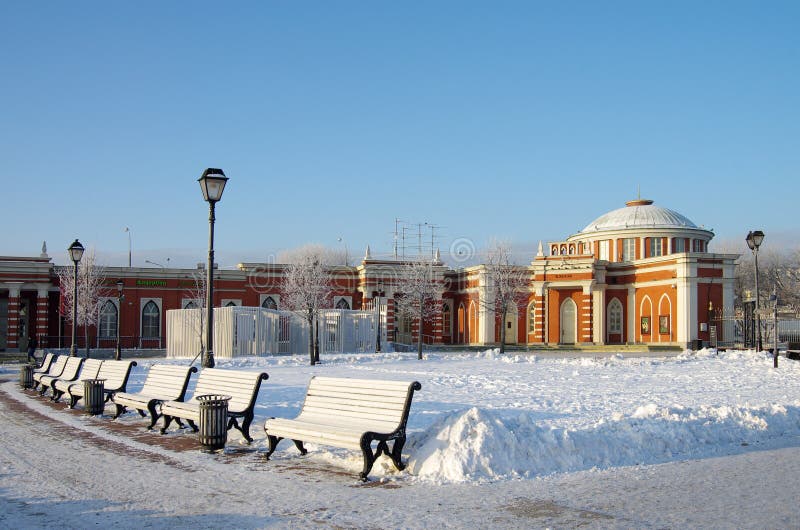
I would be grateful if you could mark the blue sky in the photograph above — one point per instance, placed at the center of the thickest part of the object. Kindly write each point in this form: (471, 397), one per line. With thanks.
(516, 120)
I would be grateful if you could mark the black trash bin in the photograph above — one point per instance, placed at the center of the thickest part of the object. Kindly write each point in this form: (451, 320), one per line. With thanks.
(26, 376)
(94, 396)
(213, 425)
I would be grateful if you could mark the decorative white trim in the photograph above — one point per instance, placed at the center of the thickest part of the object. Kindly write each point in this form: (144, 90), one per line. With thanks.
(236, 302)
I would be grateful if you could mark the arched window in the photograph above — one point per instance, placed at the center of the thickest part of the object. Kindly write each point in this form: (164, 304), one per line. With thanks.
(615, 317)
(342, 304)
(190, 305)
(461, 323)
(151, 321)
(230, 304)
(446, 320)
(107, 326)
(531, 317)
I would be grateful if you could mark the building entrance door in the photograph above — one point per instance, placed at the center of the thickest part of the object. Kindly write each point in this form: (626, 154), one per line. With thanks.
(511, 326)
(569, 324)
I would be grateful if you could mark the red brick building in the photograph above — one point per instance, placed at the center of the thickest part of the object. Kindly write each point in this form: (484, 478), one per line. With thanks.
(638, 274)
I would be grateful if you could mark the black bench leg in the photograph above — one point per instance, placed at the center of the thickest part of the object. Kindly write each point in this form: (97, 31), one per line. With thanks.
(56, 395)
(167, 421)
(73, 400)
(369, 456)
(119, 409)
(247, 419)
(141, 412)
(299, 445)
(396, 454)
(245, 429)
(151, 407)
(273, 444)
(192, 425)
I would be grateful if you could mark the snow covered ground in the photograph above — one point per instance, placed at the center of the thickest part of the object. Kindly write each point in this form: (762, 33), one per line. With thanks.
(701, 439)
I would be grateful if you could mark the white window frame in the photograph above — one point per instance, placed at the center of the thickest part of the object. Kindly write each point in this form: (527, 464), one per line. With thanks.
(603, 249)
(101, 304)
(142, 303)
(656, 247)
(629, 249)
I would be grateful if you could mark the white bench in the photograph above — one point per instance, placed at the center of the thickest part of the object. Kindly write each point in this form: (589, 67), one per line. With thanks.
(70, 373)
(115, 376)
(352, 414)
(241, 386)
(164, 382)
(54, 371)
(89, 370)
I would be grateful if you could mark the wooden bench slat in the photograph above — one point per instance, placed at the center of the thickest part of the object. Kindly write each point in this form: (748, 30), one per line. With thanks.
(389, 392)
(360, 383)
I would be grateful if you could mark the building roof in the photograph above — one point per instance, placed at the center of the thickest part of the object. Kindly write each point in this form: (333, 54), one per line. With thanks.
(640, 213)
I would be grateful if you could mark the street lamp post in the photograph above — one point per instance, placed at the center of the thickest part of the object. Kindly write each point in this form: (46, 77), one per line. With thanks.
(754, 240)
(120, 298)
(75, 254)
(212, 183)
(379, 294)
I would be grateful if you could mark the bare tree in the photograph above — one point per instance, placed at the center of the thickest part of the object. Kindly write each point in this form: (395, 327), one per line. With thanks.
(198, 295)
(507, 283)
(420, 293)
(308, 288)
(91, 289)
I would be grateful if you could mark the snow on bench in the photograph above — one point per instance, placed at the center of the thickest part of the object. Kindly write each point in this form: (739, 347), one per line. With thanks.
(352, 414)
(54, 371)
(164, 382)
(241, 386)
(90, 369)
(115, 376)
(70, 373)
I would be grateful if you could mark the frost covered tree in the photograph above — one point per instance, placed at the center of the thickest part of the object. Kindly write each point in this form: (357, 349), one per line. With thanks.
(420, 293)
(308, 288)
(507, 284)
(198, 295)
(91, 290)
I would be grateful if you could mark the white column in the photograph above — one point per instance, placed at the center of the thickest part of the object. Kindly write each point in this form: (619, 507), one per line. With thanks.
(485, 314)
(632, 331)
(599, 315)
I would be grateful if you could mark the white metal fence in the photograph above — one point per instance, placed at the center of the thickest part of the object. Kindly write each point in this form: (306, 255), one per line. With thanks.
(241, 331)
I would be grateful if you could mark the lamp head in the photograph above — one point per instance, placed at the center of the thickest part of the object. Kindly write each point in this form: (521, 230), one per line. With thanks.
(212, 184)
(120, 285)
(75, 251)
(754, 239)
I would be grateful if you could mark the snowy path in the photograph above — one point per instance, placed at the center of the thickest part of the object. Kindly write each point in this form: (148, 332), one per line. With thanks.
(113, 474)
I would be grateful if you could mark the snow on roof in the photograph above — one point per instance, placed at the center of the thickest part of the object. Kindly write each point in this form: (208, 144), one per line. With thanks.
(640, 213)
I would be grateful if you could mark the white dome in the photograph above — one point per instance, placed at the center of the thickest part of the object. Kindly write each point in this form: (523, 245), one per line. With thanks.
(640, 213)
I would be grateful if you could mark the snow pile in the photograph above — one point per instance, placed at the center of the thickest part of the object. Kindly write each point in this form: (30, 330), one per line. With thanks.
(478, 445)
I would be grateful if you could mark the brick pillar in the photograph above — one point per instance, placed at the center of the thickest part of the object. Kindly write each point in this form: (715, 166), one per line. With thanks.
(437, 323)
(42, 321)
(538, 310)
(12, 342)
(390, 319)
(586, 318)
